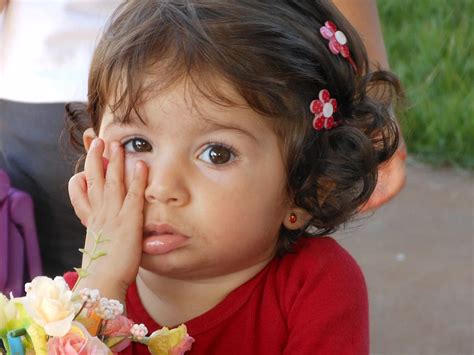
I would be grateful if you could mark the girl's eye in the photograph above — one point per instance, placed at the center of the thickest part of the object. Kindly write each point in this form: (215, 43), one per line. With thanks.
(217, 154)
(137, 145)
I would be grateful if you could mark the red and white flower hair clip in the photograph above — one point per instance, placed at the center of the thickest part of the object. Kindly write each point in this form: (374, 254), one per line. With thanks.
(337, 41)
(323, 109)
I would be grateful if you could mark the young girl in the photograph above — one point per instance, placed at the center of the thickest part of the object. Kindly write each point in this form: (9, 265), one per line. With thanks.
(226, 139)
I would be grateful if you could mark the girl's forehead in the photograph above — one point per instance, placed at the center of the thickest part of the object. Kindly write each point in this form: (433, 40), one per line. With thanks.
(219, 101)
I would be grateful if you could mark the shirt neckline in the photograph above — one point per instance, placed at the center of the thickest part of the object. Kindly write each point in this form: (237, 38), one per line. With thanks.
(210, 319)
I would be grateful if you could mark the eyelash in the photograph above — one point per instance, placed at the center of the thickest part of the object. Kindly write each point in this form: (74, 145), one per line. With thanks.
(221, 144)
(207, 145)
(130, 140)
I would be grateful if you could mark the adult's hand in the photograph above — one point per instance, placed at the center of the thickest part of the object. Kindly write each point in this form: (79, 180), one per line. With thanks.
(363, 15)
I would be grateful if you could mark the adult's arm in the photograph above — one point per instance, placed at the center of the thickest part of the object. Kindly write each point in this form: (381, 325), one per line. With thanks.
(2, 5)
(363, 15)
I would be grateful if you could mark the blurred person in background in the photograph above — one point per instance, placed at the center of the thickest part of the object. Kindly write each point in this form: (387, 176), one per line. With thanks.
(45, 51)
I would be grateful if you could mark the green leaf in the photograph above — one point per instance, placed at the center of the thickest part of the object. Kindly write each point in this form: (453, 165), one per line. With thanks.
(98, 254)
(83, 251)
(114, 341)
(81, 272)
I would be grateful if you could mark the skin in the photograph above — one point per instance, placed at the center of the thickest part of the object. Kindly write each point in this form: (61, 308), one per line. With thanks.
(363, 15)
(231, 212)
(3, 3)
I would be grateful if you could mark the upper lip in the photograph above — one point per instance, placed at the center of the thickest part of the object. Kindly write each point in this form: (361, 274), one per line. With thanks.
(160, 228)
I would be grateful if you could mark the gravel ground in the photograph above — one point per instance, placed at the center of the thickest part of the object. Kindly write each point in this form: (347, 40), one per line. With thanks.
(417, 256)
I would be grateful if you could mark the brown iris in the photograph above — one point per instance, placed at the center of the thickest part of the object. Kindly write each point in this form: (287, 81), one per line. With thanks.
(219, 155)
(141, 145)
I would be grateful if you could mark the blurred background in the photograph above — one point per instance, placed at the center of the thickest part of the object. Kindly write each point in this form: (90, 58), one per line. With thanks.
(417, 253)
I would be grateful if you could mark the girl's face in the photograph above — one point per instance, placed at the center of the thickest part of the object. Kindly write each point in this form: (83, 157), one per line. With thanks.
(216, 194)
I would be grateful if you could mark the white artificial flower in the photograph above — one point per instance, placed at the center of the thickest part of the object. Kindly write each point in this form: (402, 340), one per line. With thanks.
(49, 302)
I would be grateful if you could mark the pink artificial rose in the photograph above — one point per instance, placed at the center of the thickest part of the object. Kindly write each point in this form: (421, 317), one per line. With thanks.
(77, 341)
(119, 328)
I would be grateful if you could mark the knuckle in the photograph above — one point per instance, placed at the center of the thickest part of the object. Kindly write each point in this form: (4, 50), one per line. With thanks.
(90, 182)
(133, 195)
(74, 181)
(111, 184)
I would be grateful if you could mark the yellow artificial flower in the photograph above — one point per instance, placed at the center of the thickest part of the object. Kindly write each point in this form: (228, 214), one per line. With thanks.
(38, 339)
(8, 313)
(13, 316)
(167, 342)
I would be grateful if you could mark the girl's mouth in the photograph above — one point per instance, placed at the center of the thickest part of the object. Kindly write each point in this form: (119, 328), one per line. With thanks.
(161, 239)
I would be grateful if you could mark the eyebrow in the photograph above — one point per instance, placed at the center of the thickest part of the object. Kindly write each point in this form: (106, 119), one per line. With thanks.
(134, 121)
(211, 124)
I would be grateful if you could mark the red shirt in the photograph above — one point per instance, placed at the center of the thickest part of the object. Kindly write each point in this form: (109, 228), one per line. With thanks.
(313, 301)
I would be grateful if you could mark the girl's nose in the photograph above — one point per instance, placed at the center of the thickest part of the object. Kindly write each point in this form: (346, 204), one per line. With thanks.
(167, 185)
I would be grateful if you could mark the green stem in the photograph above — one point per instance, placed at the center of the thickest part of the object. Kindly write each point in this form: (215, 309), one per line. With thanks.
(103, 324)
(5, 343)
(91, 255)
(82, 307)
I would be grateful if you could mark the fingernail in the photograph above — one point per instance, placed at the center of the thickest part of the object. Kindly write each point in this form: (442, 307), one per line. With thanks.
(95, 142)
(114, 146)
(138, 165)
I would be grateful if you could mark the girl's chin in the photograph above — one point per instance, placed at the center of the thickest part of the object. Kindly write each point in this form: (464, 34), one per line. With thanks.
(169, 264)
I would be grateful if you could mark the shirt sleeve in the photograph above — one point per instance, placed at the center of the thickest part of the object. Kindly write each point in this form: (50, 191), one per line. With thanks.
(328, 313)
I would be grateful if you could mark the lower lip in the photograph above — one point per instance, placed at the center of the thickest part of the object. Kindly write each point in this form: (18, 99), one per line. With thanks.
(163, 243)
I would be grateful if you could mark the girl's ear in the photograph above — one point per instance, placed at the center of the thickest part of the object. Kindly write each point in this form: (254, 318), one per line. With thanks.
(88, 137)
(296, 218)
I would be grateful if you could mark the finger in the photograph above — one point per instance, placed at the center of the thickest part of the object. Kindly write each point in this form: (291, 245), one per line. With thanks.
(77, 189)
(114, 189)
(95, 173)
(135, 197)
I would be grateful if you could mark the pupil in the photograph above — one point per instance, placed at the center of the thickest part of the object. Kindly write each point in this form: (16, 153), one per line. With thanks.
(219, 155)
(140, 145)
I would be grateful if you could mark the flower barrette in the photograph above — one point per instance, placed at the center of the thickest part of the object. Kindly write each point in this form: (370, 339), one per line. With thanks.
(337, 41)
(323, 109)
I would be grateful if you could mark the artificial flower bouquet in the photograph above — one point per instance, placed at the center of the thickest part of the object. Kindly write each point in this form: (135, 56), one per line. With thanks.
(51, 319)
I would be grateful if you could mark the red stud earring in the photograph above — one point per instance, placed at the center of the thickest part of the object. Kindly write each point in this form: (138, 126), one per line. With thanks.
(292, 218)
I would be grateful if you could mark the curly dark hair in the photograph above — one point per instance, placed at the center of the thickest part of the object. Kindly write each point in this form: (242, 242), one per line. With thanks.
(273, 55)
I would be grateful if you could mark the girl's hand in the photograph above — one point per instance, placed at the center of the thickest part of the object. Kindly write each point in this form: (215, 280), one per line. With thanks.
(101, 202)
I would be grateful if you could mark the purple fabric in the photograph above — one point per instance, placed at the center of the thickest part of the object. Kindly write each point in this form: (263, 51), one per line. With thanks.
(36, 154)
(20, 259)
